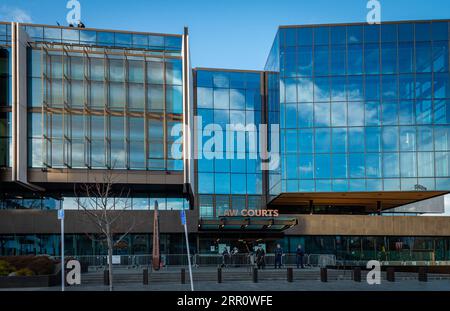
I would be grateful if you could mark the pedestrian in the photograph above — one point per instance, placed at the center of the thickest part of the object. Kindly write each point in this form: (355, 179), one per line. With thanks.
(260, 258)
(234, 254)
(299, 256)
(278, 256)
(225, 256)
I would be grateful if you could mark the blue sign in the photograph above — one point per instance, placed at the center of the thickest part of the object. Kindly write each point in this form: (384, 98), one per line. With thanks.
(183, 217)
(60, 214)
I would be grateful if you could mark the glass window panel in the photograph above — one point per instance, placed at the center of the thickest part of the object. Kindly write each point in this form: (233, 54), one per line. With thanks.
(355, 88)
(97, 70)
(78, 151)
(237, 99)
(71, 35)
(321, 60)
(323, 166)
(322, 114)
(356, 139)
(306, 141)
(373, 165)
(354, 34)
(57, 153)
(291, 90)
(305, 61)
(117, 154)
(425, 162)
(291, 115)
(155, 72)
(321, 35)
(372, 87)
(204, 78)
(136, 99)
(440, 56)
(106, 38)
(304, 36)
(52, 34)
(305, 115)
(340, 166)
(117, 125)
(155, 96)
(35, 90)
(423, 31)
(87, 36)
(425, 138)
(205, 97)
(356, 165)
(441, 85)
(390, 113)
(406, 113)
(439, 31)
(174, 72)
(442, 138)
(323, 140)
(442, 164)
(371, 58)
(423, 57)
(338, 89)
(390, 87)
(408, 164)
(424, 111)
(408, 138)
(389, 58)
(406, 32)
(390, 138)
(405, 57)
(305, 91)
(355, 54)
(221, 99)
(252, 99)
(136, 125)
(156, 41)
(78, 127)
(137, 155)
(116, 70)
(136, 71)
(322, 89)
(339, 140)
(97, 127)
(406, 87)
(391, 167)
(373, 113)
(123, 39)
(117, 96)
(389, 32)
(238, 184)
(174, 99)
(356, 114)
(306, 166)
(338, 35)
(222, 183)
(338, 114)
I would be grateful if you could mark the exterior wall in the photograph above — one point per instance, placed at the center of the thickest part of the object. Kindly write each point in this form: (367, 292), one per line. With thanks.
(229, 180)
(5, 95)
(364, 108)
(371, 225)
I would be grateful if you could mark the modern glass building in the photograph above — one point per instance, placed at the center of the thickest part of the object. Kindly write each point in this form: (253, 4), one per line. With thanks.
(360, 113)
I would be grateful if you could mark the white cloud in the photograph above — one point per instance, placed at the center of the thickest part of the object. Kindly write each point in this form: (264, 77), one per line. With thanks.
(14, 14)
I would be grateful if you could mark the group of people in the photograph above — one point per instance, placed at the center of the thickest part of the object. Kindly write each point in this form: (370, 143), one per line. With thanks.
(260, 255)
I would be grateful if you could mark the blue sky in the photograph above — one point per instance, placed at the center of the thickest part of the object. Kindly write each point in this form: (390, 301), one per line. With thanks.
(224, 33)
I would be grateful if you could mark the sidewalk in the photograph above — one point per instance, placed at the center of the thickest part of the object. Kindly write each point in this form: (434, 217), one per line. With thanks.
(406, 285)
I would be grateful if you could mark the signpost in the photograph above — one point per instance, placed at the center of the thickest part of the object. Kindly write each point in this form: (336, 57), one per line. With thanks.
(61, 218)
(183, 222)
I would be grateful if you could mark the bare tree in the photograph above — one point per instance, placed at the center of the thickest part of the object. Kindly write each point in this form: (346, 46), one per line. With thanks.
(105, 208)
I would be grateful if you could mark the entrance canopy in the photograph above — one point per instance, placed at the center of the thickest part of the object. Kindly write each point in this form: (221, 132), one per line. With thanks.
(269, 224)
(365, 202)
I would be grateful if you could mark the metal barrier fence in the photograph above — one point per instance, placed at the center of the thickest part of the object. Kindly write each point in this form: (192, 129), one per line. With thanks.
(204, 260)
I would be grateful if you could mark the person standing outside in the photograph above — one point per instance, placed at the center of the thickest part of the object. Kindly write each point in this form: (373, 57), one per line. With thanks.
(299, 256)
(278, 256)
(260, 254)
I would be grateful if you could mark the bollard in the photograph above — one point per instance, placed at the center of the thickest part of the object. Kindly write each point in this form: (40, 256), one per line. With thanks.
(290, 275)
(423, 276)
(390, 274)
(106, 277)
(323, 275)
(183, 276)
(219, 275)
(255, 275)
(357, 274)
(145, 276)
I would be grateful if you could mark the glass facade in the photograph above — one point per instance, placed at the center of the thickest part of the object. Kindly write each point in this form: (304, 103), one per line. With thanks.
(363, 107)
(5, 95)
(103, 108)
(229, 179)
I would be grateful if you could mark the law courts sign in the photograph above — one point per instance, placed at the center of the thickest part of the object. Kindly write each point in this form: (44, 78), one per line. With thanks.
(252, 213)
